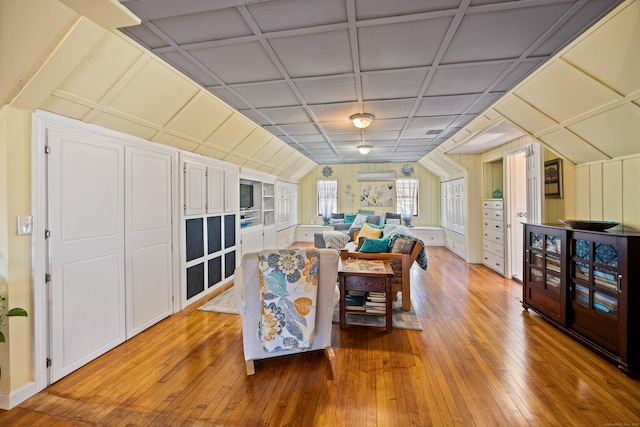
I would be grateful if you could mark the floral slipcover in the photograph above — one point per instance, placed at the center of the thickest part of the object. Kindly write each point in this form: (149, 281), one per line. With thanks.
(288, 289)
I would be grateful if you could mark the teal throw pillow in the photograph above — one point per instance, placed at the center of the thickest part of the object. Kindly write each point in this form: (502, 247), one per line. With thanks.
(349, 218)
(375, 245)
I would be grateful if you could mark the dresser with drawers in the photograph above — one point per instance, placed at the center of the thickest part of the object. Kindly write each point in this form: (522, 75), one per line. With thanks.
(493, 233)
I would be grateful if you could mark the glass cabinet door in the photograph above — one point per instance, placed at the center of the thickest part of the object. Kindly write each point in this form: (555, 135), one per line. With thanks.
(594, 275)
(594, 288)
(543, 270)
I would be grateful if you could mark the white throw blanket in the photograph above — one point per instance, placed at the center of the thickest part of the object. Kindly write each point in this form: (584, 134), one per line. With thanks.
(288, 289)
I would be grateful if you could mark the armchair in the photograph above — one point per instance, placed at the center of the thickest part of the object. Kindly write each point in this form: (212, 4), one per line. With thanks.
(250, 304)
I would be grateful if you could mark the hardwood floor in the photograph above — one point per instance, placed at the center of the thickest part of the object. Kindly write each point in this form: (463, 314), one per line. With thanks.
(481, 360)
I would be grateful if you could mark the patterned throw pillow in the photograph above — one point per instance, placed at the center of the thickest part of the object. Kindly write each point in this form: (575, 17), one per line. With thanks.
(402, 245)
(368, 231)
(334, 221)
(359, 220)
(375, 245)
(392, 221)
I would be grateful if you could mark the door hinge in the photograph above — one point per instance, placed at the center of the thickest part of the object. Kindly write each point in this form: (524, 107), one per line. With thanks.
(47, 234)
(47, 278)
(48, 362)
(47, 150)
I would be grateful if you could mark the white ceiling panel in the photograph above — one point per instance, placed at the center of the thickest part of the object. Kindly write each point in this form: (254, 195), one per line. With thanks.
(615, 132)
(238, 63)
(204, 26)
(616, 68)
(481, 36)
(572, 147)
(580, 92)
(314, 54)
(384, 47)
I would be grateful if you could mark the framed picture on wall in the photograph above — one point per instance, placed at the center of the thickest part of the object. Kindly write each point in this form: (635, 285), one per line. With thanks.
(553, 179)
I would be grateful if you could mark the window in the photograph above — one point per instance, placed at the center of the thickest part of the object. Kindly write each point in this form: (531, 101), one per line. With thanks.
(407, 197)
(327, 197)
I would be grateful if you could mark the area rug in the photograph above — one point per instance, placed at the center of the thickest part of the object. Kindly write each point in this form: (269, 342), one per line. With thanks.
(223, 303)
(226, 303)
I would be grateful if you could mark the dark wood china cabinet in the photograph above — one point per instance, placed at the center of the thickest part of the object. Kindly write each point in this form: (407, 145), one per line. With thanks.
(587, 283)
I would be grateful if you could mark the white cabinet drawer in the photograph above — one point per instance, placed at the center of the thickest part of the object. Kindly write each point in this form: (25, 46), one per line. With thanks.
(494, 248)
(490, 224)
(494, 262)
(492, 214)
(493, 204)
(494, 236)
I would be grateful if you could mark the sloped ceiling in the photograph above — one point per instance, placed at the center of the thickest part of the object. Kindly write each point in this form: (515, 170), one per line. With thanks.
(584, 104)
(79, 69)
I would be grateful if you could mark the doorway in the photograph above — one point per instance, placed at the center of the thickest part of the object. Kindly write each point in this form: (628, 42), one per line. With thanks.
(516, 179)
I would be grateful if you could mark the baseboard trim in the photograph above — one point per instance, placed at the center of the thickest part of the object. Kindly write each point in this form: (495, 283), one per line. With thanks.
(16, 397)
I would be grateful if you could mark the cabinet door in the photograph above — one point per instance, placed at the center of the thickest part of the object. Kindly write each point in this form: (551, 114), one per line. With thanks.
(86, 247)
(215, 189)
(148, 254)
(195, 188)
(594, 288)
(544, 287)
(231, 194)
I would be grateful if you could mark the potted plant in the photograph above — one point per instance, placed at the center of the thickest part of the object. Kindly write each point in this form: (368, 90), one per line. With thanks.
(4, 313)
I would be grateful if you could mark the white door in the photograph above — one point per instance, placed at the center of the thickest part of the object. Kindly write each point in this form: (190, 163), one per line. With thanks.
(516, 173)
(148, 238)
(535, 197)
(86, 249)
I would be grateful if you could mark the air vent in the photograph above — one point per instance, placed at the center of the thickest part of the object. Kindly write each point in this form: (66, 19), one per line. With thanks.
(377, 176)
(434, 132)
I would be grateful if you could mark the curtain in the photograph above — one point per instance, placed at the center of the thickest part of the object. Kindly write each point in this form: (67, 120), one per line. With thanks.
(327, 198)
(407, 196)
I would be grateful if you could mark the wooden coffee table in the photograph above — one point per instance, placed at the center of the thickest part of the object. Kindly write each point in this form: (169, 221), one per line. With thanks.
(365, 276)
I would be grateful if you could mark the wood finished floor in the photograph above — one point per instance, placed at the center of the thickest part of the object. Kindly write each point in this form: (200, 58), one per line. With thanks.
(480, 361)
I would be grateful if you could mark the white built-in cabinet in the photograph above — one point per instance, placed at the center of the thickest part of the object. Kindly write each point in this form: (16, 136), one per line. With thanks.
(453, 205)
(286, 205)
(493, 240)
(209, 226)
(107, 203)
(258, 222)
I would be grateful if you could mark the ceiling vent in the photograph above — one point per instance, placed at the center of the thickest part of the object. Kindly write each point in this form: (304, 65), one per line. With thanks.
(434, 132)
(377, 176)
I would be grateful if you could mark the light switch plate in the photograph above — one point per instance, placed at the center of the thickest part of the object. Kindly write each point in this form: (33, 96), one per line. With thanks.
(25, 225)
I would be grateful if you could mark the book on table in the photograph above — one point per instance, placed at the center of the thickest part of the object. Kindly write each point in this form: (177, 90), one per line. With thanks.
(354, 302)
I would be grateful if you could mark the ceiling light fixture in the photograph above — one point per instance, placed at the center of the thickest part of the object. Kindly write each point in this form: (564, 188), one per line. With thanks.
(364, 148)
(362, 120)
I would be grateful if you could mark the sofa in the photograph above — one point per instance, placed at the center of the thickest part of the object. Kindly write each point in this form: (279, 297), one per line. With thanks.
(397, 245)
(351, 223)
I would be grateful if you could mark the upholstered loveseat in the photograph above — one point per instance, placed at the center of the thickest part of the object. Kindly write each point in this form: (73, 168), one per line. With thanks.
(397, 245)
(351, 225)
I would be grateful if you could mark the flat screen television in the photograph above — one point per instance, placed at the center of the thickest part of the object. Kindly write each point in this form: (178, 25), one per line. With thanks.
(246, 196)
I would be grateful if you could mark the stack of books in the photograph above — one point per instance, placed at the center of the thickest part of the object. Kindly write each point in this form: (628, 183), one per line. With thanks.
(375, 303)
(368, 302)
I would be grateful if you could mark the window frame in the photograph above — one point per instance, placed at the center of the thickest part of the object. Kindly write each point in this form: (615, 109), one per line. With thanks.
(401, 188)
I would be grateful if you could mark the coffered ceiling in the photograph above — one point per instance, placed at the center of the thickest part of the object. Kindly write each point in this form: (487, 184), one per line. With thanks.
(300, 68)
